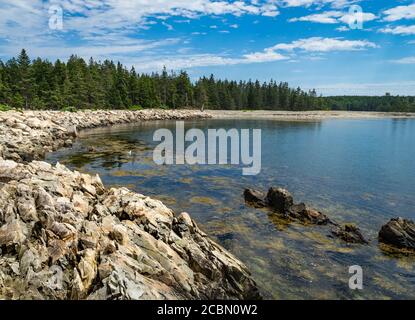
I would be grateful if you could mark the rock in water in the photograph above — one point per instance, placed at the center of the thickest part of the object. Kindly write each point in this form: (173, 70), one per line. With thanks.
(308, 215)
(281, 202)
(255, 198)
(349, 233)
(398, 232)
(279, 199)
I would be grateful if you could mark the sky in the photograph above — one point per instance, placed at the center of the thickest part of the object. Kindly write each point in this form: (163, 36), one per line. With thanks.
(338, 47)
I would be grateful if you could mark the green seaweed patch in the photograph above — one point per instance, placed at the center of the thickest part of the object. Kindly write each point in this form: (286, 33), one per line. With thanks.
(204, 200)
(387, 284)
(186, 180)
(395, 252)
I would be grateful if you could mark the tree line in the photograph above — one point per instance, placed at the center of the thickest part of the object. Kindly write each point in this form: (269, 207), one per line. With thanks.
(77, 84)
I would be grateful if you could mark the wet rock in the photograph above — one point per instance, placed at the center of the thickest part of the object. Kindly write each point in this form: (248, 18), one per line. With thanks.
(279, 199)
(398, 232)
(282, 202)
(306, 214)
(254, 198)
(349, 233)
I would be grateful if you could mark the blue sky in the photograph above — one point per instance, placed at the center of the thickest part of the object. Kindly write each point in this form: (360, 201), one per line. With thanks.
(309, 43)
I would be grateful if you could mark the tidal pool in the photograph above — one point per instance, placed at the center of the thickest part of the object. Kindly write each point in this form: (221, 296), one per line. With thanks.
(359, 171)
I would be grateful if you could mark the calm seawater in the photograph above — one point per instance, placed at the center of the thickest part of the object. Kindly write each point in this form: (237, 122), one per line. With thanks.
(360, 171)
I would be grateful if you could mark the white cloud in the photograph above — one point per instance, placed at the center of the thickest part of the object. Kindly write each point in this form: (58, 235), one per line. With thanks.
(343, 29)
(334, 17)
(266, 56)
(23, 20)
(318, 3)
(100, 51)
(400, 12)
(363, 17)
(325, 17)
(201, 60)
(270, 10)
(399, 30)
(271, 13)
(106, 27)
(318, 44)
(407, 60)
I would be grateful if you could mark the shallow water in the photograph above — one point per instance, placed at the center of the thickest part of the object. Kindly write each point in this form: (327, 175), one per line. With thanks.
(359, 171)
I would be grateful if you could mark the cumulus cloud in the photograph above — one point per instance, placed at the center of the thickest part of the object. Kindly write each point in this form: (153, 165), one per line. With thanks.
(270, 10)
(279, 52)
(399, 30)
(325, 17)
(94, 25)
(399, 13)
(318, 44)
(334, 17)
(351, 18)
(266, 56)
(22, 18)
(202, 60)
(318, 3)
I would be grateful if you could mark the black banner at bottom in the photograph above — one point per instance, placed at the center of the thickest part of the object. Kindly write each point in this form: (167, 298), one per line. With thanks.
(203, 309)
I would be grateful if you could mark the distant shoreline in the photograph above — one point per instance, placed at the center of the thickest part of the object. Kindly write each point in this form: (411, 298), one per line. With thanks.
(306, 115)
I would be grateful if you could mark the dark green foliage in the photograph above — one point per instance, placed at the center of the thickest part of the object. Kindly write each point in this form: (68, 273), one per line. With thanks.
(4, 107)
(76, 85)
(386, 103)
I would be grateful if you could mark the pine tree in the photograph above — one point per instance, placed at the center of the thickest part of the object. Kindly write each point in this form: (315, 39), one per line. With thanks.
(76, 84)
(201, 97)
(24, 77)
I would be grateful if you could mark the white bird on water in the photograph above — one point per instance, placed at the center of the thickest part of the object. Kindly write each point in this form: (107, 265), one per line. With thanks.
(130, 153)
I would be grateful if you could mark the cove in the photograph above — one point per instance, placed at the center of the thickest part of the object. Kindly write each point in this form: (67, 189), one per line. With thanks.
(354, 170)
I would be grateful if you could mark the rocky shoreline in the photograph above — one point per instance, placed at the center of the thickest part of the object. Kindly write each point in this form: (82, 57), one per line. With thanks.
(63, 235)
(29, 135)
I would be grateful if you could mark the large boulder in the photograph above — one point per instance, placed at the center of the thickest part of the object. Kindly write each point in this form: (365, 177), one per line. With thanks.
(398, 232)
(279, 199)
